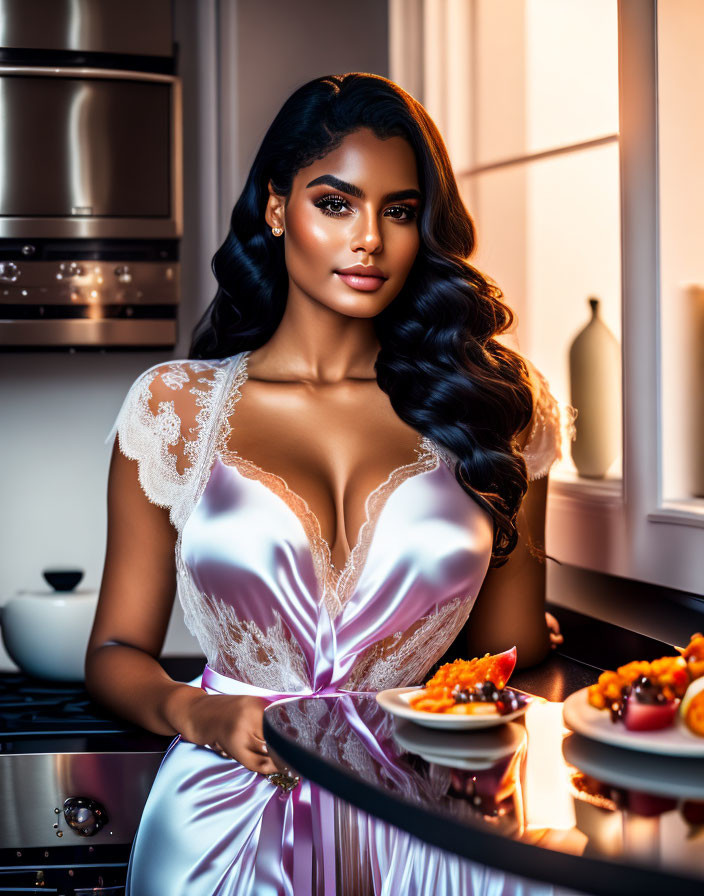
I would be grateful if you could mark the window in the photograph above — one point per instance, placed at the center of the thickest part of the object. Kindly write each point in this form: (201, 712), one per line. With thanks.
(576, 132)
(681, 174)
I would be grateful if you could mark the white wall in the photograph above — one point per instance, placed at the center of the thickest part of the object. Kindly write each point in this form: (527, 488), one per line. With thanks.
(270, 47)
(238, 62)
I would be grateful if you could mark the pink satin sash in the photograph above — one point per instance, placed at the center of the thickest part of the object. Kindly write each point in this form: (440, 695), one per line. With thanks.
(312, 819)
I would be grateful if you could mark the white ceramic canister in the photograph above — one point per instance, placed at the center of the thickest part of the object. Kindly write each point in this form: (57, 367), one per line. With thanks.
(46, 632)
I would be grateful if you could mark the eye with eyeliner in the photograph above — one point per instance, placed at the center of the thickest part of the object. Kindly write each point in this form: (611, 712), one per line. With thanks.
(334, 199)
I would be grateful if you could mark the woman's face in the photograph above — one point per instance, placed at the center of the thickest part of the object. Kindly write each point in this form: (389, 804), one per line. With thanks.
(358, 206)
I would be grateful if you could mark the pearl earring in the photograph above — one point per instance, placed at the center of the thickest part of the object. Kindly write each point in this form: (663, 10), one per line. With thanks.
(277, 231)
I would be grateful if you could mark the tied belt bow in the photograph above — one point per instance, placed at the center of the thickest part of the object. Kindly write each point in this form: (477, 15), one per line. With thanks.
(312, 819)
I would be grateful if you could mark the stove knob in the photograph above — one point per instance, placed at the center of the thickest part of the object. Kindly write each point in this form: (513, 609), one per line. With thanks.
(68, 269)
(9, 272)
(123, 273)
(84, 815)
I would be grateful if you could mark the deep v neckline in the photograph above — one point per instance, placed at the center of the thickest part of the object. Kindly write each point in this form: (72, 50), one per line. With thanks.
(336, 586)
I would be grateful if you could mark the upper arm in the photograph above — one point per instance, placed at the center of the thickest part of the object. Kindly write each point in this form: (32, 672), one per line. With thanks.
(149, 481)
(510, 607)
(139, 577)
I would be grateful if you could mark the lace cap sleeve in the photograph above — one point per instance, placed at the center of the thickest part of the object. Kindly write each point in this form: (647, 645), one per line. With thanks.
(552, 424)
(161, 424)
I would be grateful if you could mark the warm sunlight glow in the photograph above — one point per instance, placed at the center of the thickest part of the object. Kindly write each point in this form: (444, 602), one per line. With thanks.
(548, 799)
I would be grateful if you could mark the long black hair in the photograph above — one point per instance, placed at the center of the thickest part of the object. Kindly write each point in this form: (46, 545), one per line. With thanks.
(444, 372)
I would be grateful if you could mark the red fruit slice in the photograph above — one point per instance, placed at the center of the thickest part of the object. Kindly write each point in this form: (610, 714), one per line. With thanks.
(500, 667)
(467, 674)
(496, 668)
(648, 716)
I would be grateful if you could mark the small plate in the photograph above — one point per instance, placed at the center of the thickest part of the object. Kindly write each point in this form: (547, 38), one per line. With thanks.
(596, 724)
(473, 750)
(645, 772)
(395, 701)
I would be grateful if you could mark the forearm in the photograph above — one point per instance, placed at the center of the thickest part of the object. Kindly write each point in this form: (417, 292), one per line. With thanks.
(133, 684)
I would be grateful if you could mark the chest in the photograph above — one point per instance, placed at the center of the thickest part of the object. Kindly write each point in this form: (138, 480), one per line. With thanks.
(328, 446)
(253, 550)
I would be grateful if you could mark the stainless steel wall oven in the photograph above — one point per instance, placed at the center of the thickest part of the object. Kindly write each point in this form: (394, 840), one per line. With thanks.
(90, 180)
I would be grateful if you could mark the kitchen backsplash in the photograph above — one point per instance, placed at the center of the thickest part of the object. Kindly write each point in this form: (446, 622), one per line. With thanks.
(58, 410)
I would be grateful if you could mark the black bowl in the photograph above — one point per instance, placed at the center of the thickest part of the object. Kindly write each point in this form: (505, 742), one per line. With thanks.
(63, 579)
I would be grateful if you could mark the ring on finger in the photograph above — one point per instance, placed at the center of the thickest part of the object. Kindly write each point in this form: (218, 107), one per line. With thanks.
(284, 780)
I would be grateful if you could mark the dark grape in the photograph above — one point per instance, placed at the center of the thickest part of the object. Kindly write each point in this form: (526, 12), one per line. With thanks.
(489, 691)
(506, 700)
(646, 691)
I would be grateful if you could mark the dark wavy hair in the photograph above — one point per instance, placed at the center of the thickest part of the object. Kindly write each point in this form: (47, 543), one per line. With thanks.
(444, 372)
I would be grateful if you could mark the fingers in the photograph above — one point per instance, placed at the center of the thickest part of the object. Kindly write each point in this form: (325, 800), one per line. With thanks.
(239, 733)
(266, 767)
(257, 745)
(258, 762)
(551, 622)
(555, 639)
(278, 762)
(254, 761)
(553, 625)
(252, 755)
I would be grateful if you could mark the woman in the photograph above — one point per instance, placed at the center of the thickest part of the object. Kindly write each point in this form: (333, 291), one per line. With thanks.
(349, 357)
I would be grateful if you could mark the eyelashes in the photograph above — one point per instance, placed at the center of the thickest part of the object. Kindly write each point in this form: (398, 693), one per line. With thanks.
(331, 199)
(328, 201)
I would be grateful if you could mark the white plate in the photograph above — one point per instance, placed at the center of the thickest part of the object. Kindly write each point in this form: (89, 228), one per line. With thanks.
(473, 750)
(395, 701)
(596, 724)
(681, 779)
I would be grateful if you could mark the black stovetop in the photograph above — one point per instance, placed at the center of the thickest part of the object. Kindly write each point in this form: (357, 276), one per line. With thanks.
(35, 712)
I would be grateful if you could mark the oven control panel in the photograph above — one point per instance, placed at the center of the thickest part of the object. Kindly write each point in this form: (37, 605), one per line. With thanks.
(99, 294)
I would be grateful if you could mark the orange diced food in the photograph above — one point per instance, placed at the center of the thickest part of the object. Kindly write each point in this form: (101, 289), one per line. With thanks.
(436, 694)
(694, 656)
(694, 717)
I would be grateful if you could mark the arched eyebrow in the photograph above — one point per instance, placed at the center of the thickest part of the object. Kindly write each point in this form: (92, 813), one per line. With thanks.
(353, 190)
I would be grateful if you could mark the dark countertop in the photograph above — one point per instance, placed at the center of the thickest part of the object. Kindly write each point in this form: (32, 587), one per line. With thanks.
(541, 812)
(41, 716)
(560, 854)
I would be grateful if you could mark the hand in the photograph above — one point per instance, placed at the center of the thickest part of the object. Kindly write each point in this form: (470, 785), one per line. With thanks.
(554, 629)
(231, 725)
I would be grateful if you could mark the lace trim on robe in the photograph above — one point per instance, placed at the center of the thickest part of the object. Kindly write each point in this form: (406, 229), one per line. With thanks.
(402, 659)
(271, 658)
(553, 426)
(427, 459)
(335, 587)
(150, 431)
(238, 647)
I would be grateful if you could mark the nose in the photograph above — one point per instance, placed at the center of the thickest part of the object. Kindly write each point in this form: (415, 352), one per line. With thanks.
(367, 234)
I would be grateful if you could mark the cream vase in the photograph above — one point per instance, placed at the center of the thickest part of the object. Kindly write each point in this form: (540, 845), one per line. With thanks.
(595, 383)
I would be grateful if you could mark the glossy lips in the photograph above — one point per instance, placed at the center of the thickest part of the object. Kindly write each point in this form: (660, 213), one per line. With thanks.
(364, 277)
